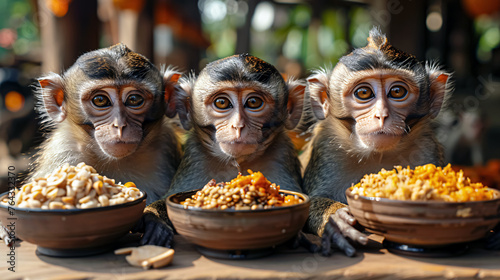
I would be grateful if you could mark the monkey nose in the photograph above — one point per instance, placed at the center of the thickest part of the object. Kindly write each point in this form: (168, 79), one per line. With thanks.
(381, 115)
(119, 127)
(238, 129)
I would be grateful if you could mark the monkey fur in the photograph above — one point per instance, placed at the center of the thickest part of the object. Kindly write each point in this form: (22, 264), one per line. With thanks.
(75, 135)
(338, 155)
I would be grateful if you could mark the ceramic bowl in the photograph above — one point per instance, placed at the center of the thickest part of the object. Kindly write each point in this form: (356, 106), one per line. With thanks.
(73, 232)
(425, 223)
(237, 229)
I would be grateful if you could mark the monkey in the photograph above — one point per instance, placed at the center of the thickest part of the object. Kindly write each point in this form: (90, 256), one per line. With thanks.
(237, 111)
(375, 110)
(111, 110)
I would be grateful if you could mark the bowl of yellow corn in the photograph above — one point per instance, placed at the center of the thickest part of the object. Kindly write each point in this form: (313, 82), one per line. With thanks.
(425, 206)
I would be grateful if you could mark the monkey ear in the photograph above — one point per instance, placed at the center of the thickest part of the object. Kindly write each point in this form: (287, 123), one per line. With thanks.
(170, 79)
(183, 103)
(318, 94)
(51, 93)
(295, 103)
(439, 86)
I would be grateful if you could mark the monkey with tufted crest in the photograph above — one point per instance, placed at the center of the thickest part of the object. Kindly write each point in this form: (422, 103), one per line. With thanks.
(375, 110)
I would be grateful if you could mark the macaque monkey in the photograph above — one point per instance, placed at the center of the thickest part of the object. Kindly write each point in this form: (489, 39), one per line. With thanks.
(375, 110)
(110, 111)
(237, 112)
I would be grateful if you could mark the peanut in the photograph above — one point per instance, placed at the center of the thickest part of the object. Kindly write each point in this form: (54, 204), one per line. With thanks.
(71, 187)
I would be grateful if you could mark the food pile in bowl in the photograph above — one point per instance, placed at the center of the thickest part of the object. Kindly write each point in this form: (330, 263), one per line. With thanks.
(73, 211)
(244, 218)
(424, 183)
(426, 207)
(70, 187)
(242, 193)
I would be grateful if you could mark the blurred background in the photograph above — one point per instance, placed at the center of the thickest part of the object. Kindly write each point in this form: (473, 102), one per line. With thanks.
(41, 36)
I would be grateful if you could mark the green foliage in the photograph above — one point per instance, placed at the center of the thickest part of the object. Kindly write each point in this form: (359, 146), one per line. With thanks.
(18, 31)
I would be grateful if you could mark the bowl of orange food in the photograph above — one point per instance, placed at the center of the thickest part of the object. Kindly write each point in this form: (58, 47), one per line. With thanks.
(243, 218)
(425, 207)
(74, 211)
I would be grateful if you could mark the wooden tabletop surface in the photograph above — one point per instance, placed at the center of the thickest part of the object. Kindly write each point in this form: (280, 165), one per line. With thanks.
(372, 262)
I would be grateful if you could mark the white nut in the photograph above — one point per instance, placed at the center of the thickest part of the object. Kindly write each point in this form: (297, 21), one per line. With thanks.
(34, 203)
(83, 175)
(78, 185)
(57, 180)
(103, 199)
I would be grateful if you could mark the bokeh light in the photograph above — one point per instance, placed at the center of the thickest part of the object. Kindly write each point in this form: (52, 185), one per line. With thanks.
(14, 101)
(489, 37)
(213, 10)
(434, 21)
(293, 44)
(7, 37)
(263, 17)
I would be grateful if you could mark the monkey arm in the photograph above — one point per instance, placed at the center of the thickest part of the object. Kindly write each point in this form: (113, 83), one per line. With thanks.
(321, 208)
(158, 208)
(332, 221)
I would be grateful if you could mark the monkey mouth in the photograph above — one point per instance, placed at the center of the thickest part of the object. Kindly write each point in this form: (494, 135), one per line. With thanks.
(237, 148)
(384, 133)
(380, 140)
(118, 149)
(238, 142)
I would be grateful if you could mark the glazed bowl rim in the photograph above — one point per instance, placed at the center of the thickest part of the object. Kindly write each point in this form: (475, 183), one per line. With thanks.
(419, 202)
(73, 211)
(170, 203)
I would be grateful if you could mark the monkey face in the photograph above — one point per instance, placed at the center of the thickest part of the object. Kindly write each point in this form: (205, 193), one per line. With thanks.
(238, 116)
(237, 106)
(112, 98)
(377, 98)
(380, 105)
(117, 115)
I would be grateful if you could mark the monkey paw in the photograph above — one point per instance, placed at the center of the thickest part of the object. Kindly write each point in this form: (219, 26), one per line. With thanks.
(156, 231)
(307, 241)
(339, 226)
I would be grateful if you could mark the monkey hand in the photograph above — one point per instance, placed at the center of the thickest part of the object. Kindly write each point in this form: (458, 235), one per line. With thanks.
(156, 231)
(338, 229)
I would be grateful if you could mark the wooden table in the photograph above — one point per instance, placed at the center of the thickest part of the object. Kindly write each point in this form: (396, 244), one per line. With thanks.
(372, 262)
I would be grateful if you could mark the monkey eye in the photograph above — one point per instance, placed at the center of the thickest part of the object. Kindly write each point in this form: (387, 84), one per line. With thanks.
(222, 103)
(134, 100)
(254, 103)
(101, 101)
(364, 93)
(398, 92)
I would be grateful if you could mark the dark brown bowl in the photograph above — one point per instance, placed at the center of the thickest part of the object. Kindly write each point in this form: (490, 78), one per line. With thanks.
(425, 223)
(73, 232)
(237, 229)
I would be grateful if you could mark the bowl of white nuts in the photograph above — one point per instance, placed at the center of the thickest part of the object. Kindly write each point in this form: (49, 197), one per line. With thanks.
(73, 211)
(242, 219)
